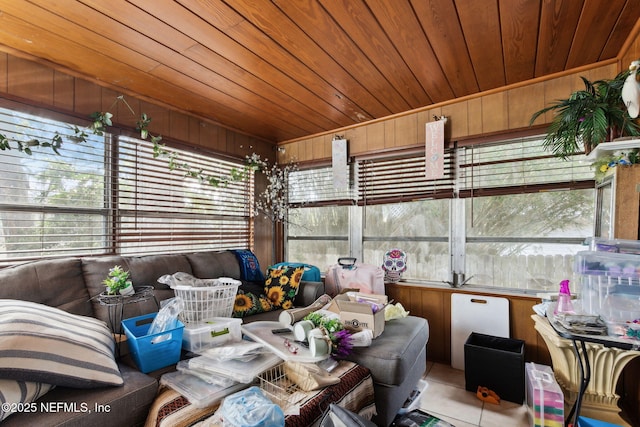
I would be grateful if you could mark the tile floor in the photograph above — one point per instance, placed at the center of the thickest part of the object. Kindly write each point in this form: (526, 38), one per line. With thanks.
(447, 399)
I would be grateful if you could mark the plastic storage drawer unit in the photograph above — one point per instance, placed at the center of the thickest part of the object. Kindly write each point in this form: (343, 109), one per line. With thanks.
(544, 397)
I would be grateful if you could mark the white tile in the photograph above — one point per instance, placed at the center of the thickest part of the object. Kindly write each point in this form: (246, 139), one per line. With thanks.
(445, 374)
(451, 401)
(505, 414)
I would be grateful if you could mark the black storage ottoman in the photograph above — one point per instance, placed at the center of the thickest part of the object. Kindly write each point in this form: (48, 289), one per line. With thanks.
(496, 363)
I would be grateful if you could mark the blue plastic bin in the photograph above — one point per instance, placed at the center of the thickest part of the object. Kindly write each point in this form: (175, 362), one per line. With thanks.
(588, 422)
(148, 354)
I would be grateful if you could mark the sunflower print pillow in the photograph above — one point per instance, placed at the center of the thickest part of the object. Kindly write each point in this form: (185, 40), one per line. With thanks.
(280, 289)
(248, 303)
(281, 285)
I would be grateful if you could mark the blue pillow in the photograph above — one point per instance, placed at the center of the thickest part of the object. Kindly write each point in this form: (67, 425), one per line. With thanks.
(249, 265)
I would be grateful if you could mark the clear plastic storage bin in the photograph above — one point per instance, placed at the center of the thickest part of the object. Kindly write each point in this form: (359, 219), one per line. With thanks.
(200, 393)
(198, 337)
(601, 274)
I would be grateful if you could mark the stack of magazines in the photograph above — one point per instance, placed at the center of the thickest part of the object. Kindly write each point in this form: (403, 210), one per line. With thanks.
(585, 324)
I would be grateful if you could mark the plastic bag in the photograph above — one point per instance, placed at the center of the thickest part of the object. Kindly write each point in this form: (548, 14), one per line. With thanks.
(249, 408)
(166, 319)
(244, 351)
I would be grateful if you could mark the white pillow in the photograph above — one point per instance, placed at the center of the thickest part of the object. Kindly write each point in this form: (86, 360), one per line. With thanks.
(16, 395)
(43, 344)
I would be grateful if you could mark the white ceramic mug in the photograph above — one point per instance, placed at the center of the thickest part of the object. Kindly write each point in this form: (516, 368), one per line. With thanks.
(319, 345)
(301, 329)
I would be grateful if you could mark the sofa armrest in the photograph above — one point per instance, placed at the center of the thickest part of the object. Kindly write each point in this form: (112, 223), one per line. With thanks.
(308, 292)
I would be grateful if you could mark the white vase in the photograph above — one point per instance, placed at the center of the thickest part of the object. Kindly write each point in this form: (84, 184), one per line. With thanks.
(127, 291)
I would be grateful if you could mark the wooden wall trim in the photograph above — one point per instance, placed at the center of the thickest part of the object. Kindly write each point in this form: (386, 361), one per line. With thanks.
(488, 115)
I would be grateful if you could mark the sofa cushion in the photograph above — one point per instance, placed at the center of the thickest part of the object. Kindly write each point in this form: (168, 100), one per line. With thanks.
(58, 283)
(214, 264)
(43, 344)
(393, 354)
(144, 270)
(106, 407)
(18, 394)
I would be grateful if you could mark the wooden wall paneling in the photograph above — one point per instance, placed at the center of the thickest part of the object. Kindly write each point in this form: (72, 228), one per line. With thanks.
(520, 112)
(357, 138)
(209, 136)
(4, 72)
(422, 118)
(30, 81)
(495, 113)
(600, 73)
(178, 126)
(375, 136)
(194, 129)
(406, 131)
(434, 304)
(474, 116)
(160, 124)
(109, 103)
(627, 202)
(458, 124)
(629, 390)
(389, 133)
(318, 147)
(87, 97)
(63, 85)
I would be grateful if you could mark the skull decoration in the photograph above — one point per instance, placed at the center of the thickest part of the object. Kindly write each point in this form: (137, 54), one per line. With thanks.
(394, 264)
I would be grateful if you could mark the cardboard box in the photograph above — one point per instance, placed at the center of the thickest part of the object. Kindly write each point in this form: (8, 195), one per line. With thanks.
(359, 315)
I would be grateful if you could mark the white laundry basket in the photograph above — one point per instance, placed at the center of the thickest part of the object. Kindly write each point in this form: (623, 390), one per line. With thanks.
(216, 299)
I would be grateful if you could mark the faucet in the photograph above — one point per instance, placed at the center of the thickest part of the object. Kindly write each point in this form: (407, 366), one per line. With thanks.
(458, 280)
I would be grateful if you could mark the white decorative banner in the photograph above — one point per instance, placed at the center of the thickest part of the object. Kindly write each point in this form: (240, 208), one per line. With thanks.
(339, 163)
(434, 150)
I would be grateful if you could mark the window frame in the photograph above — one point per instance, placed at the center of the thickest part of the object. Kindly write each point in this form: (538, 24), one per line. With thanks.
(461, 192)
(240, 221)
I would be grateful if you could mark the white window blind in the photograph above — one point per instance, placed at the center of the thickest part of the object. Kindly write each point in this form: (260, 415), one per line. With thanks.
(86, 201)
(51, 205)
(315, 187)
(519, 166)
(402, 179)
(163, 211)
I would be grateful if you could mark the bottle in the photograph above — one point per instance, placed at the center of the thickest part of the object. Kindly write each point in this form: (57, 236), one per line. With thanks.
(564, 305)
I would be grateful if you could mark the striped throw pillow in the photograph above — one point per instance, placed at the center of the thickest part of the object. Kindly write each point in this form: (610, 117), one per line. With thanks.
(15, 394)
(44, 344)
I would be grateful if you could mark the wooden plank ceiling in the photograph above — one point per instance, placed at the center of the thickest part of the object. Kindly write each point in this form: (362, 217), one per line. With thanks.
(283, 69)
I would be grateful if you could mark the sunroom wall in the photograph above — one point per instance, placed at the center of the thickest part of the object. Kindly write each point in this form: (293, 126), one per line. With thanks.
(39, 89)
(481, 116)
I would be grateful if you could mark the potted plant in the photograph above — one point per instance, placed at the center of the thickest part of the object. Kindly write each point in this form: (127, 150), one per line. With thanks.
(118, 282)
(588, 117)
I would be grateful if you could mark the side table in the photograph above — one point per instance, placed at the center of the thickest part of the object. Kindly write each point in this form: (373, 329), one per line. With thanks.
(587, 369)
(115, 305)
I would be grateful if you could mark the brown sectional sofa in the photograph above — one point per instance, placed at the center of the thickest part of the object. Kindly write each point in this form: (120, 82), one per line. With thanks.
(71, 283)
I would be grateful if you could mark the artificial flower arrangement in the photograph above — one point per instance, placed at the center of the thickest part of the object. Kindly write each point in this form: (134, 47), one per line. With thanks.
(118, 282)
(603, 165)
(341, 341)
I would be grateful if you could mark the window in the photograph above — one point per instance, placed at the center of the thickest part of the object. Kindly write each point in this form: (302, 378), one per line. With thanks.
(505, 215)
(162, 211)
(88, 201)
(318, 234)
